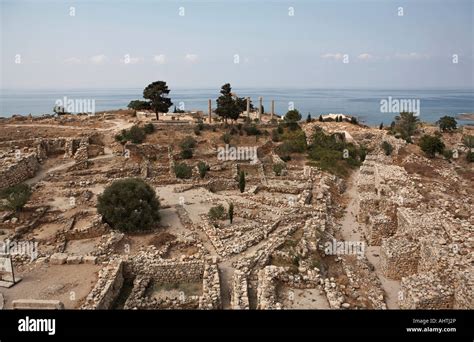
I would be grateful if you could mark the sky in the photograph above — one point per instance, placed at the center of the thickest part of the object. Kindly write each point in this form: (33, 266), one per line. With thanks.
(374, 44)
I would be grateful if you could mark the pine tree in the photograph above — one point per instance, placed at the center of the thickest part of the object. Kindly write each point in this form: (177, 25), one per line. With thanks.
(231, 212)
(242, 181)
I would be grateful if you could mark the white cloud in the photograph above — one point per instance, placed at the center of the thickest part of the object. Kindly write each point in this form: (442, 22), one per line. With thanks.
(336, 56)
(411, 56)
(191, 58)
(72, 60)
(365, 56)
(99, 59)
(159, 59)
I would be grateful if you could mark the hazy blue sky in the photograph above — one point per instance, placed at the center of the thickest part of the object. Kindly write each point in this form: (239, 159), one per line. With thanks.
(275, 49)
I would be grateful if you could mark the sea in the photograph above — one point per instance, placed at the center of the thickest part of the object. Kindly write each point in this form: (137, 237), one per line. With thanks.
(365, 104)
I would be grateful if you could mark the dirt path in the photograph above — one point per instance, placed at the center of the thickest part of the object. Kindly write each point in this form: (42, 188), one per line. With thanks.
(352, 231)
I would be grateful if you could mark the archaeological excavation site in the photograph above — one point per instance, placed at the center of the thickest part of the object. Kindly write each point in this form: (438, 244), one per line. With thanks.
(121, 211)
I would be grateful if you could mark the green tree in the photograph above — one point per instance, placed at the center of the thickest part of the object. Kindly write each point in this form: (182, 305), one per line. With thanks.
(231, 212)
(15, 197)
(381, 125)
(241, 181)
(431, 145)
(447, 123)
(292, 116)
(157, 93)
(139, 105)
(227, 106)
(308, 118)
(321, 118)
(406, 124)
(129, 205)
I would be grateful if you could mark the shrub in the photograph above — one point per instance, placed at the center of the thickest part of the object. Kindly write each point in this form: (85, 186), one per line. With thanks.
(278, 168)
(275, 135)
(431, 145)
(188, 142)
(226, 138)
(136, 134)
(187, 153)
(387, 148)
(448, 154)
(470, 156)
(447, 123)
(295, 141)
(216, 213)
(129, 205)
(149, 128)
(15, 197)
(183, 171)
(251, 129)
(468, 140)
(405, 124)
(203, 168)
(197, 131)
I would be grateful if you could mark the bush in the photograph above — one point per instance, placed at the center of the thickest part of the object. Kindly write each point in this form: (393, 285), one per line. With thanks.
(188, 142)
(251, 129)
(129, 205)
(387, 148)
(197, 131)
(149, 128)
(186, 153)
(295, 141)
(217, 213)
(405, 124)
(468, 140)
(431, 145)
(15, 197)
(447, 123)
(183, 171)
(203, 168)
(275, 135)
(226, 138)
(278, 168)
(136, 134)
(448, 154)
(470, 156)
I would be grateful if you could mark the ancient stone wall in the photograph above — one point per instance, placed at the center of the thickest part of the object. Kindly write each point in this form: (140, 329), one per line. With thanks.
(14, 171)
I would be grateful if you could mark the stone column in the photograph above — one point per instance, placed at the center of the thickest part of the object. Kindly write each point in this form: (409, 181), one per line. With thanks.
(273, 109)
(248, 107)
(209, 109)
(260, 99)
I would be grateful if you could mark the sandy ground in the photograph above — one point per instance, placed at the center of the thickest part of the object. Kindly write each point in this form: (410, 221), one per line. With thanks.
(68, 283)
(303, 299)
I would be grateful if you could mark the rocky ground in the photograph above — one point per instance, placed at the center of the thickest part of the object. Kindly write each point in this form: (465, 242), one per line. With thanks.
(275, 253)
